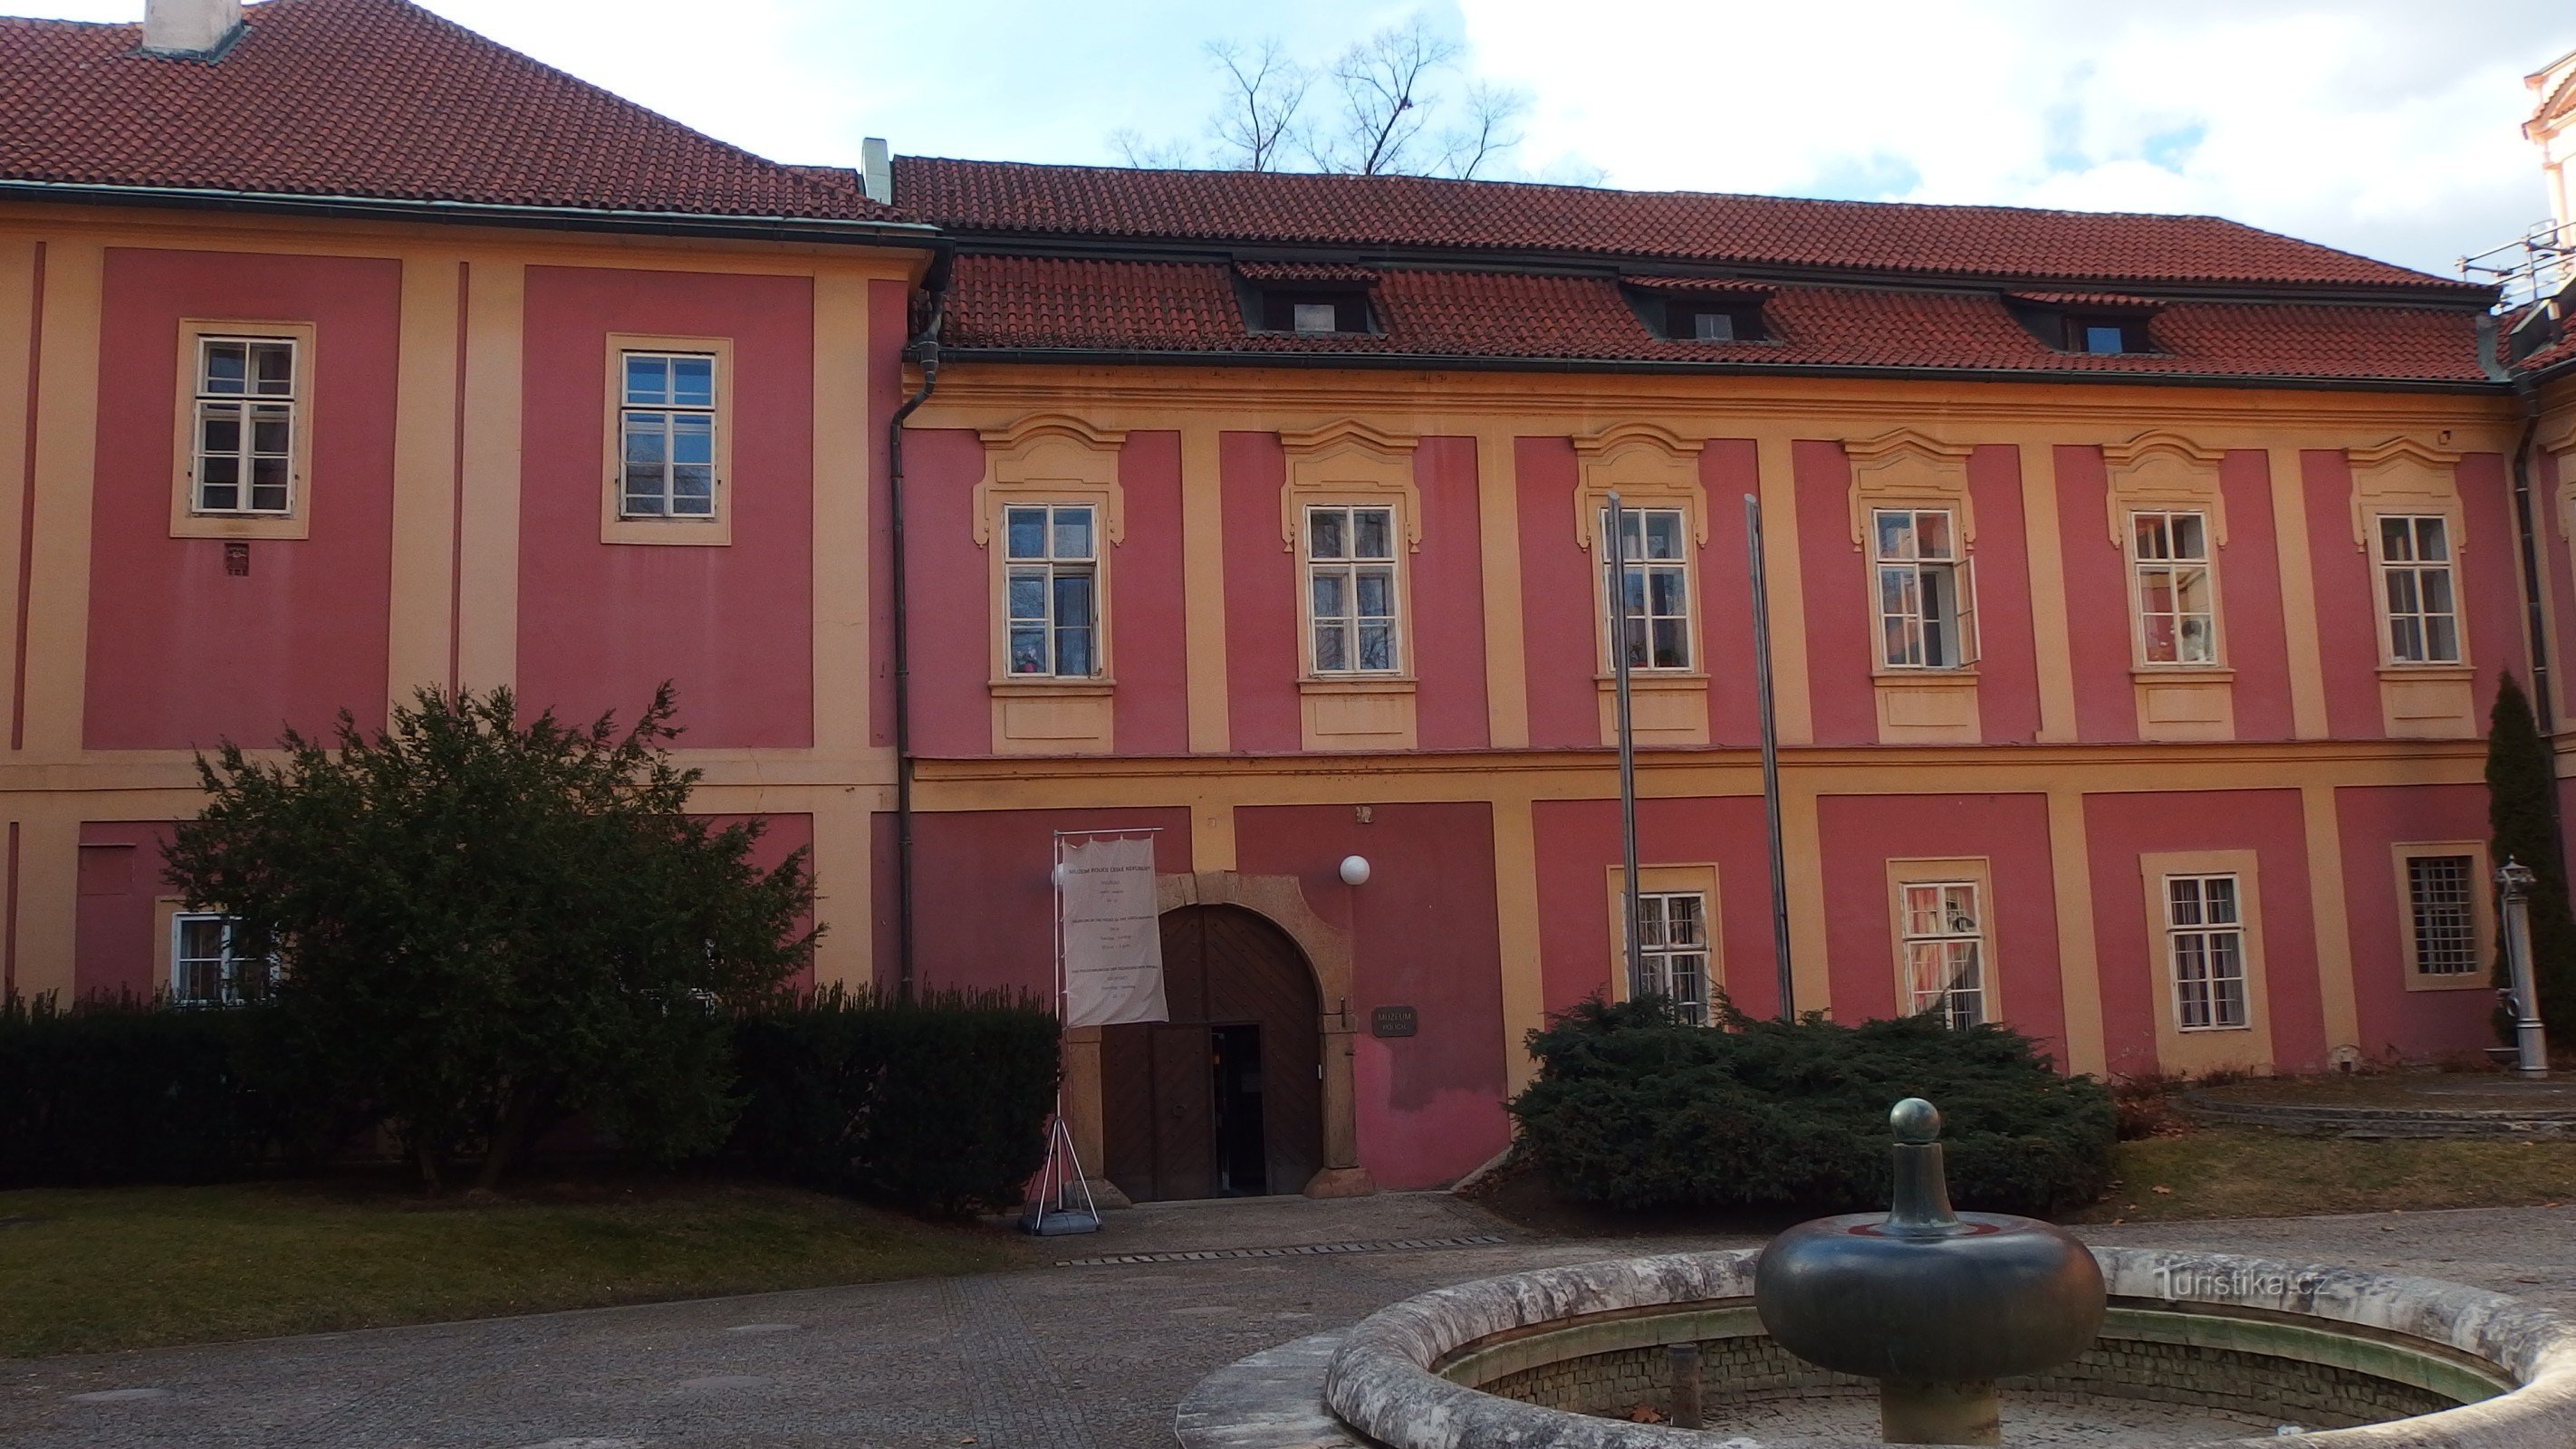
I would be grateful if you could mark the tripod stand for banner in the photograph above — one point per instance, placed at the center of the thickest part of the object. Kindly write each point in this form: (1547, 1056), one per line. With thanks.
(1061, 1184)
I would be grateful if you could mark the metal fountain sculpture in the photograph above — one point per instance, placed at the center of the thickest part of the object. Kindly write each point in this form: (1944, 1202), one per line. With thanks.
(1936, 1305)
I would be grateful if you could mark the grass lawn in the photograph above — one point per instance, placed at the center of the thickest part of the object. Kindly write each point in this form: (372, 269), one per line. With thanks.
(2223, 1172)
(126, 1268)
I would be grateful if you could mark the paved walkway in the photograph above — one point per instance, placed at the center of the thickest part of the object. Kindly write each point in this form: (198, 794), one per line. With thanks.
(1073, 1357)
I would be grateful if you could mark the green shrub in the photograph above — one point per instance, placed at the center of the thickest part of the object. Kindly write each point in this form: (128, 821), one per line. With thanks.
(115, 1090)
(937, 1105)
(1635, 1109)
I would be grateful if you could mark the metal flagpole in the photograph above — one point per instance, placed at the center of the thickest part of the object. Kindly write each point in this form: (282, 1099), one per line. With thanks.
(1062, 1177)
(1618, 532)
(1770, 757)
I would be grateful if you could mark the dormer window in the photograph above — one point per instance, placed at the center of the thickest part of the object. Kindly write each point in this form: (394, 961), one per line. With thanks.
(2092, 324)
(1307, 299)
(1700, 309)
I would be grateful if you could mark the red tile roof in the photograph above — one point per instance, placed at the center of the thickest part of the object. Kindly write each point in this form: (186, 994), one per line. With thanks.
(1341, 272)
(377, 99)
(1079, 305)
(1376, 212)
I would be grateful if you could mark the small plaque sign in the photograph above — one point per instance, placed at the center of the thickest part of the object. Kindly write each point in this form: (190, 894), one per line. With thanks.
(1393, 1021)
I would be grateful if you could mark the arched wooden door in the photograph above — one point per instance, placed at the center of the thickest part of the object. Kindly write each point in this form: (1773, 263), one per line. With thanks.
(1225, 1099)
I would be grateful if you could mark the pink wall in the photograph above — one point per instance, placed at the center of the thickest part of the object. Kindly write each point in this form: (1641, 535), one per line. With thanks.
(984, 910)
(2394, 1020)
(2549, 520)
(1262, 650)
(2130, 949)
(181, 654)
(2347, 605)
(120, 892)
(1578, 843)
(1728, 471)
(950, 581)
(1841, 636)
(2007, 655)
(1860, 833)
(601, 624)
(2253, 634)
(2498, 639)
(1423, 934)
(1449, 600)
(1150, 600)
(2097, 599)
(1556, 601)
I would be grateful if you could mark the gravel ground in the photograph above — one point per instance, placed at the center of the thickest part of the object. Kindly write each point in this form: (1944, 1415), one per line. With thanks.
(1059, 1357)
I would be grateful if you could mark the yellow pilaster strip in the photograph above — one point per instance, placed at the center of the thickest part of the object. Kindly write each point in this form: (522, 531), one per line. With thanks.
(49, 892)
(1802, 847)
(17, 382)
(1203, 582)
(1782, 574)
(66, 464)
(2079, 979)
(2298, 594)
(2045, 544)
(1498, 519)
(2335, 986)
(424, 504)
(488, 573)
(844, 877)
(1211, 834)
(1516, 902)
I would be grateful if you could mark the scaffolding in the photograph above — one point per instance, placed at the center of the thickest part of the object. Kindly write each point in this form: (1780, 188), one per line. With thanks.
(2533, 268)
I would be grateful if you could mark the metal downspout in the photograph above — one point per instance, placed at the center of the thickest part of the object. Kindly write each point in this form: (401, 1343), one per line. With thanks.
(925, 351)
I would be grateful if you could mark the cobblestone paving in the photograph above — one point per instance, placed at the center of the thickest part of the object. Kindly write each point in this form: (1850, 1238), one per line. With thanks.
(1046, 1358)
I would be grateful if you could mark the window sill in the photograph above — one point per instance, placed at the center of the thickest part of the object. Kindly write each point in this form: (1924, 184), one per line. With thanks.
(2211, 1030)
(1654, 679)
(2464, 981)
(1357, 684)
(715, 532)
(242, 525)
(2428, 671)
(1041, 686)
(1960, 676)
(2182, 673)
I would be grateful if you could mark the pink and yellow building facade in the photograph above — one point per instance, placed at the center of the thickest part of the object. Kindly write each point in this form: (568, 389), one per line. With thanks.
(2138, 585)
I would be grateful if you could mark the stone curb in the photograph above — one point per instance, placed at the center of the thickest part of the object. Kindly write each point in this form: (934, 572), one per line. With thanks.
(2382, 1121)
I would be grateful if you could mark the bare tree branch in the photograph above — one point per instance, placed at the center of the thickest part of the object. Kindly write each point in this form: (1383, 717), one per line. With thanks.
(1384, 83)
(1261, 111)
(1491, 127)
(1144, 155)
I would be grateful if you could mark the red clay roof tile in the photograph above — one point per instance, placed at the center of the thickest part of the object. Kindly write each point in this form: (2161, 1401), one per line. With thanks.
(377, 99)
(1057, 304)
(1409, 212)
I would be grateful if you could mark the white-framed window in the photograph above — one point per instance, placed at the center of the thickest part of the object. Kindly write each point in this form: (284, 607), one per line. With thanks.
(2177, 613)
(2415, 562)
(1926, 608)
(1943, 933)
(1653, 544)
(2205, 950)
(2441, 900)
(205, 969)
(1051, 583)
(1351, 589)
(666, 428)
(1672, 939)
(246, 395)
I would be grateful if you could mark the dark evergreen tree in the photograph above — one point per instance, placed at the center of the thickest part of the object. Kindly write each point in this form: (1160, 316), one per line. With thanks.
(2522, 810)
(484, 924)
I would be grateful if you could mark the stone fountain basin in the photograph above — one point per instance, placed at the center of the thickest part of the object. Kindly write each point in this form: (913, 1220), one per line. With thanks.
(2235, 1344)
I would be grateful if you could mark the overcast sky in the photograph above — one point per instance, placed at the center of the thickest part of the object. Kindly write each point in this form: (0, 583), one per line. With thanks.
(2384, 126)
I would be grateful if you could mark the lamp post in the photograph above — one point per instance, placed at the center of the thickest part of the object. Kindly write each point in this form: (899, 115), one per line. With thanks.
(2531, 1048)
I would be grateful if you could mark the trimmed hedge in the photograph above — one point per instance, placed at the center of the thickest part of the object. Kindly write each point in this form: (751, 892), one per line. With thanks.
(1634, 1108)
(938, 1105)
(112, 1091)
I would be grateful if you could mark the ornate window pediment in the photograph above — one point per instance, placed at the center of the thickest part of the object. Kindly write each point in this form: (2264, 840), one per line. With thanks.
(1641, 462)
(1055, 455)
(1349, 461)
(2158, 469)
(2403, 476)
(1907, 466)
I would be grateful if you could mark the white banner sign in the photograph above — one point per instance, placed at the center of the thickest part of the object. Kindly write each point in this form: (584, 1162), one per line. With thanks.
(1113, 939)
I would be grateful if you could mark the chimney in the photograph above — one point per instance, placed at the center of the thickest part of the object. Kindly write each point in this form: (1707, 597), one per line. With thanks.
(189, 27)
(876, 170)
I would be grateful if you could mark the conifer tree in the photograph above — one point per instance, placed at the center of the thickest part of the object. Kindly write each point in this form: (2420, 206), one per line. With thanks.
(2522, 810)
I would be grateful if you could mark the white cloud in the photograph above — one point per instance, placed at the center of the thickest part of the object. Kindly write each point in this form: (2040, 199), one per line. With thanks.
(2383, 126)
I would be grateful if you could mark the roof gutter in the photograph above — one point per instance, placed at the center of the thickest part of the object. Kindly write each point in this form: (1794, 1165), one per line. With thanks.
(1428, 362)
(571, 218)
(2535, 617)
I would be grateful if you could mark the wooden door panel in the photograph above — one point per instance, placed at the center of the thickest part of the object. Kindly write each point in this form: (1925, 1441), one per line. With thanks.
(1184, 1113)
(1127, 1109)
